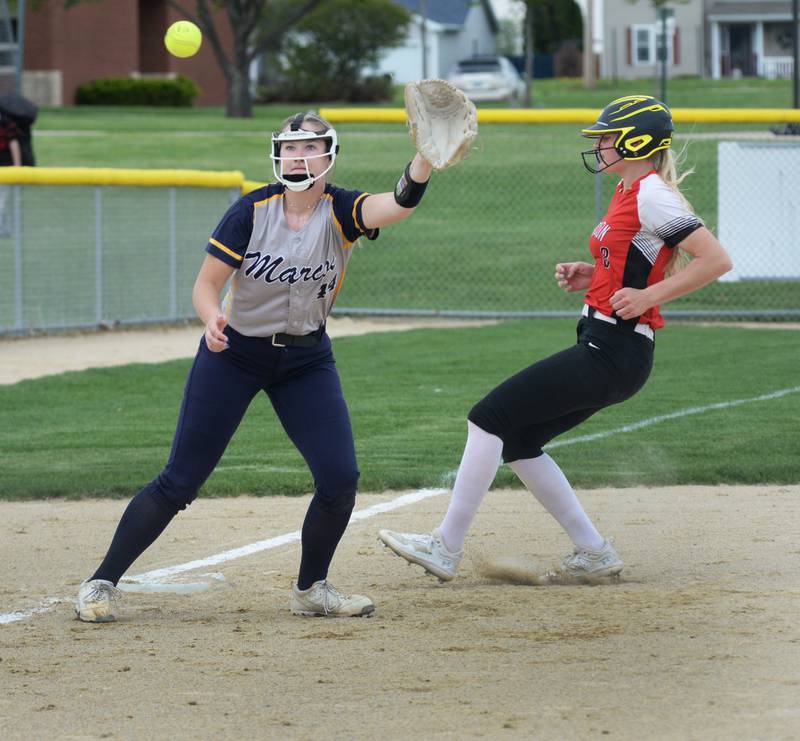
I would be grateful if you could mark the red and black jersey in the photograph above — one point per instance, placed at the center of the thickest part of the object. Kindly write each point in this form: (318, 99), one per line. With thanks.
(634, 241)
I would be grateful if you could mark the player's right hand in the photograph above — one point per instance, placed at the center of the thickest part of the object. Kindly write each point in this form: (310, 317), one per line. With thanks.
(574, 276)
(216, 340)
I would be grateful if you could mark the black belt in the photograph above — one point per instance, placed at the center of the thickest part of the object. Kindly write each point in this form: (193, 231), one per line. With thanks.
(297, 340)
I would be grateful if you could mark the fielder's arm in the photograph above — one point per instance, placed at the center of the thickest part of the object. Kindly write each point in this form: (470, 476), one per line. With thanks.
(386, 208)
(211, 279)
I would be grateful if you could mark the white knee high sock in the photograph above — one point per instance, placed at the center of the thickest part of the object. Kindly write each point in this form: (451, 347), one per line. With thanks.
(475, 475)
(546, 481)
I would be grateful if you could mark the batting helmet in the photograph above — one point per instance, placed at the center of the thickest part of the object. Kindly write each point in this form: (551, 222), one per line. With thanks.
(642, 124)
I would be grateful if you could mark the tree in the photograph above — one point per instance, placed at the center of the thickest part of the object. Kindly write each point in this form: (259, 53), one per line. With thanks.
(257, 25)
(545, 26)
(327, 57)
(555, 21)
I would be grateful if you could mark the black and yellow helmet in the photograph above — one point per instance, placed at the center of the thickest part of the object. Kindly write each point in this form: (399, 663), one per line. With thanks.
(642, 123)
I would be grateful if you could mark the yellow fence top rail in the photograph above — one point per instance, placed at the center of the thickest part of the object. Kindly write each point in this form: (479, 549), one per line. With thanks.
(114, 176)
(571, 115)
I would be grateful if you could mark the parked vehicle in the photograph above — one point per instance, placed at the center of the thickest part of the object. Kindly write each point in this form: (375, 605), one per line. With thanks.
(488, 77)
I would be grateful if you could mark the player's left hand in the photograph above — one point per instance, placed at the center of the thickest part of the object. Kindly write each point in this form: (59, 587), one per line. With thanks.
(628, 303)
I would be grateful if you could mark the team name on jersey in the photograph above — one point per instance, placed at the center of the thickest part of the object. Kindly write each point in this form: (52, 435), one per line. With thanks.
(601, 230)
(269, 267)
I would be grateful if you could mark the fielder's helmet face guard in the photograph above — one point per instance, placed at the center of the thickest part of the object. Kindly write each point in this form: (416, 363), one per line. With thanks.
(298, 182)
(642, 124)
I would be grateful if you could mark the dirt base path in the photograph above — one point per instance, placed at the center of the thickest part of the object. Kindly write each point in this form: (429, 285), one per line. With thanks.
(34, 357)
(699, 639)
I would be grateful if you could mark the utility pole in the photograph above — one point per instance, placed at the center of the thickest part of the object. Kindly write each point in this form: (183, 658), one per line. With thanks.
(662, 53)
(423, 30)
(20, 60)
(796, 52)
(528, 53)
(588, 46)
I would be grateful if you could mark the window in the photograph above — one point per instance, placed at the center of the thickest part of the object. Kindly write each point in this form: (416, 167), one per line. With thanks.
(642, 45)
(646, 41)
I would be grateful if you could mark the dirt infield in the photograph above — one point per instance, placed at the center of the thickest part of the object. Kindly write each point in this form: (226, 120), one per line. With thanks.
(699, 639)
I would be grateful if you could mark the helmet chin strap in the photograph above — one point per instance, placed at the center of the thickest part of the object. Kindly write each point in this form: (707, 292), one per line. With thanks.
(594, 157)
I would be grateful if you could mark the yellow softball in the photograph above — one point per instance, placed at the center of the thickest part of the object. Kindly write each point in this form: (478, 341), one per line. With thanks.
(183, 39)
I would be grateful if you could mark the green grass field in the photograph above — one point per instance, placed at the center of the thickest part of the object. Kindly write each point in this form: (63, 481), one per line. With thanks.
(106, 432)
(486, 238)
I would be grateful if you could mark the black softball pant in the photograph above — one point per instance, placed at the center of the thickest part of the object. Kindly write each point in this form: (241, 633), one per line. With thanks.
(607, 365)
(303, 386)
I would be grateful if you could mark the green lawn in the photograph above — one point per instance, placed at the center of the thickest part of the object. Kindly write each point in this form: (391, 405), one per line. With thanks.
(106, 432)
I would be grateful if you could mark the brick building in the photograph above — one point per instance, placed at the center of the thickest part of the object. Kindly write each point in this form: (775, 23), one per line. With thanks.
(65, 47)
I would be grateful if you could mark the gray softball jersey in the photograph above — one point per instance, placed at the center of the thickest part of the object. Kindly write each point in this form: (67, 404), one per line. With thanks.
(286, 281)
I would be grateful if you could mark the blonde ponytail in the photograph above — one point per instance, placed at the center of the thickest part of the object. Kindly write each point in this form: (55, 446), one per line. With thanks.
(666, 165)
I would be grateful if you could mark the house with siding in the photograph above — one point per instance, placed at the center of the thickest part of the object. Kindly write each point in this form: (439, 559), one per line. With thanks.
(708, 38)
(751, 39)
(453, 30)
(632, 33)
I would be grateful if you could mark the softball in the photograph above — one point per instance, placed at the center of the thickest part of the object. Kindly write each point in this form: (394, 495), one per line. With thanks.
(183, 39)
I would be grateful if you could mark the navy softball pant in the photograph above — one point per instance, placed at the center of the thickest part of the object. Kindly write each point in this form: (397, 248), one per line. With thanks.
(303, 386)
(607, 365)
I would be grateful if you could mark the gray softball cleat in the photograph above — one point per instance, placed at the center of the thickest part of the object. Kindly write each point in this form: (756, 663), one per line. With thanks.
(587, 564)
(322, 599)
(97, 601)
(428, 550)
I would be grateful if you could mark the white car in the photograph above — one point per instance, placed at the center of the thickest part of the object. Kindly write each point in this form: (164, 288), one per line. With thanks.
(488, 78)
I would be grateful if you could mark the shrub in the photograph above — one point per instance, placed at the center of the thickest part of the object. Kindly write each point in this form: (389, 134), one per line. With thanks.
(372, 89)
(179, 91)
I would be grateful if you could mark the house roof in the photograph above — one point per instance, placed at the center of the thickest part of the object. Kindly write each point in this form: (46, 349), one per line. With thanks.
(449, 12)
(721, 8)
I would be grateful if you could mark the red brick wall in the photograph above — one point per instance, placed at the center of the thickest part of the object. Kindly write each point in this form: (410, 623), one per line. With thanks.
(116, 38)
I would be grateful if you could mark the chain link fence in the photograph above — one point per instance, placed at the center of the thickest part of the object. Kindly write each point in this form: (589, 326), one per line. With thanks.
(484, 241)
(487, 236)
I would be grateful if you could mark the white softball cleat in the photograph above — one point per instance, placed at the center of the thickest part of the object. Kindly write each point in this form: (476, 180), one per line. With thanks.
(585, 563)
(97, 601)
(428, 550)
(322, 599)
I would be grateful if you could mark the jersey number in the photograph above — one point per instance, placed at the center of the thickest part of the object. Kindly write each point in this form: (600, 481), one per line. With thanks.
(326, 288)
(604, 254)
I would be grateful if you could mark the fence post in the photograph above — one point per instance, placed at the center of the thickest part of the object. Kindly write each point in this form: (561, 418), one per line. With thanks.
(98, 254)
(598, 198)
(19, 307)
(173, 253)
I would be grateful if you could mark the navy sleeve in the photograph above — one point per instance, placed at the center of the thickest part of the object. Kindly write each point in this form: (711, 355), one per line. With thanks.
(232, 235)
(347, 206)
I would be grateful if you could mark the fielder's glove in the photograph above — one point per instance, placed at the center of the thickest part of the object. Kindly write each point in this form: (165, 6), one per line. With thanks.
(443, 122)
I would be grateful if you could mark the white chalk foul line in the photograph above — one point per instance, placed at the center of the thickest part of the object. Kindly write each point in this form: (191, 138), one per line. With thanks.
(46, 606)
(449, 477)
(401, 501)
(276, 542)
(150, 580)
(673, 415)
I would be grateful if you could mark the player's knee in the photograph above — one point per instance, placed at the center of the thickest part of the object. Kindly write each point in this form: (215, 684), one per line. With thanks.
(337, 493)
(173, 494)
(486, 416)
(518, 449)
